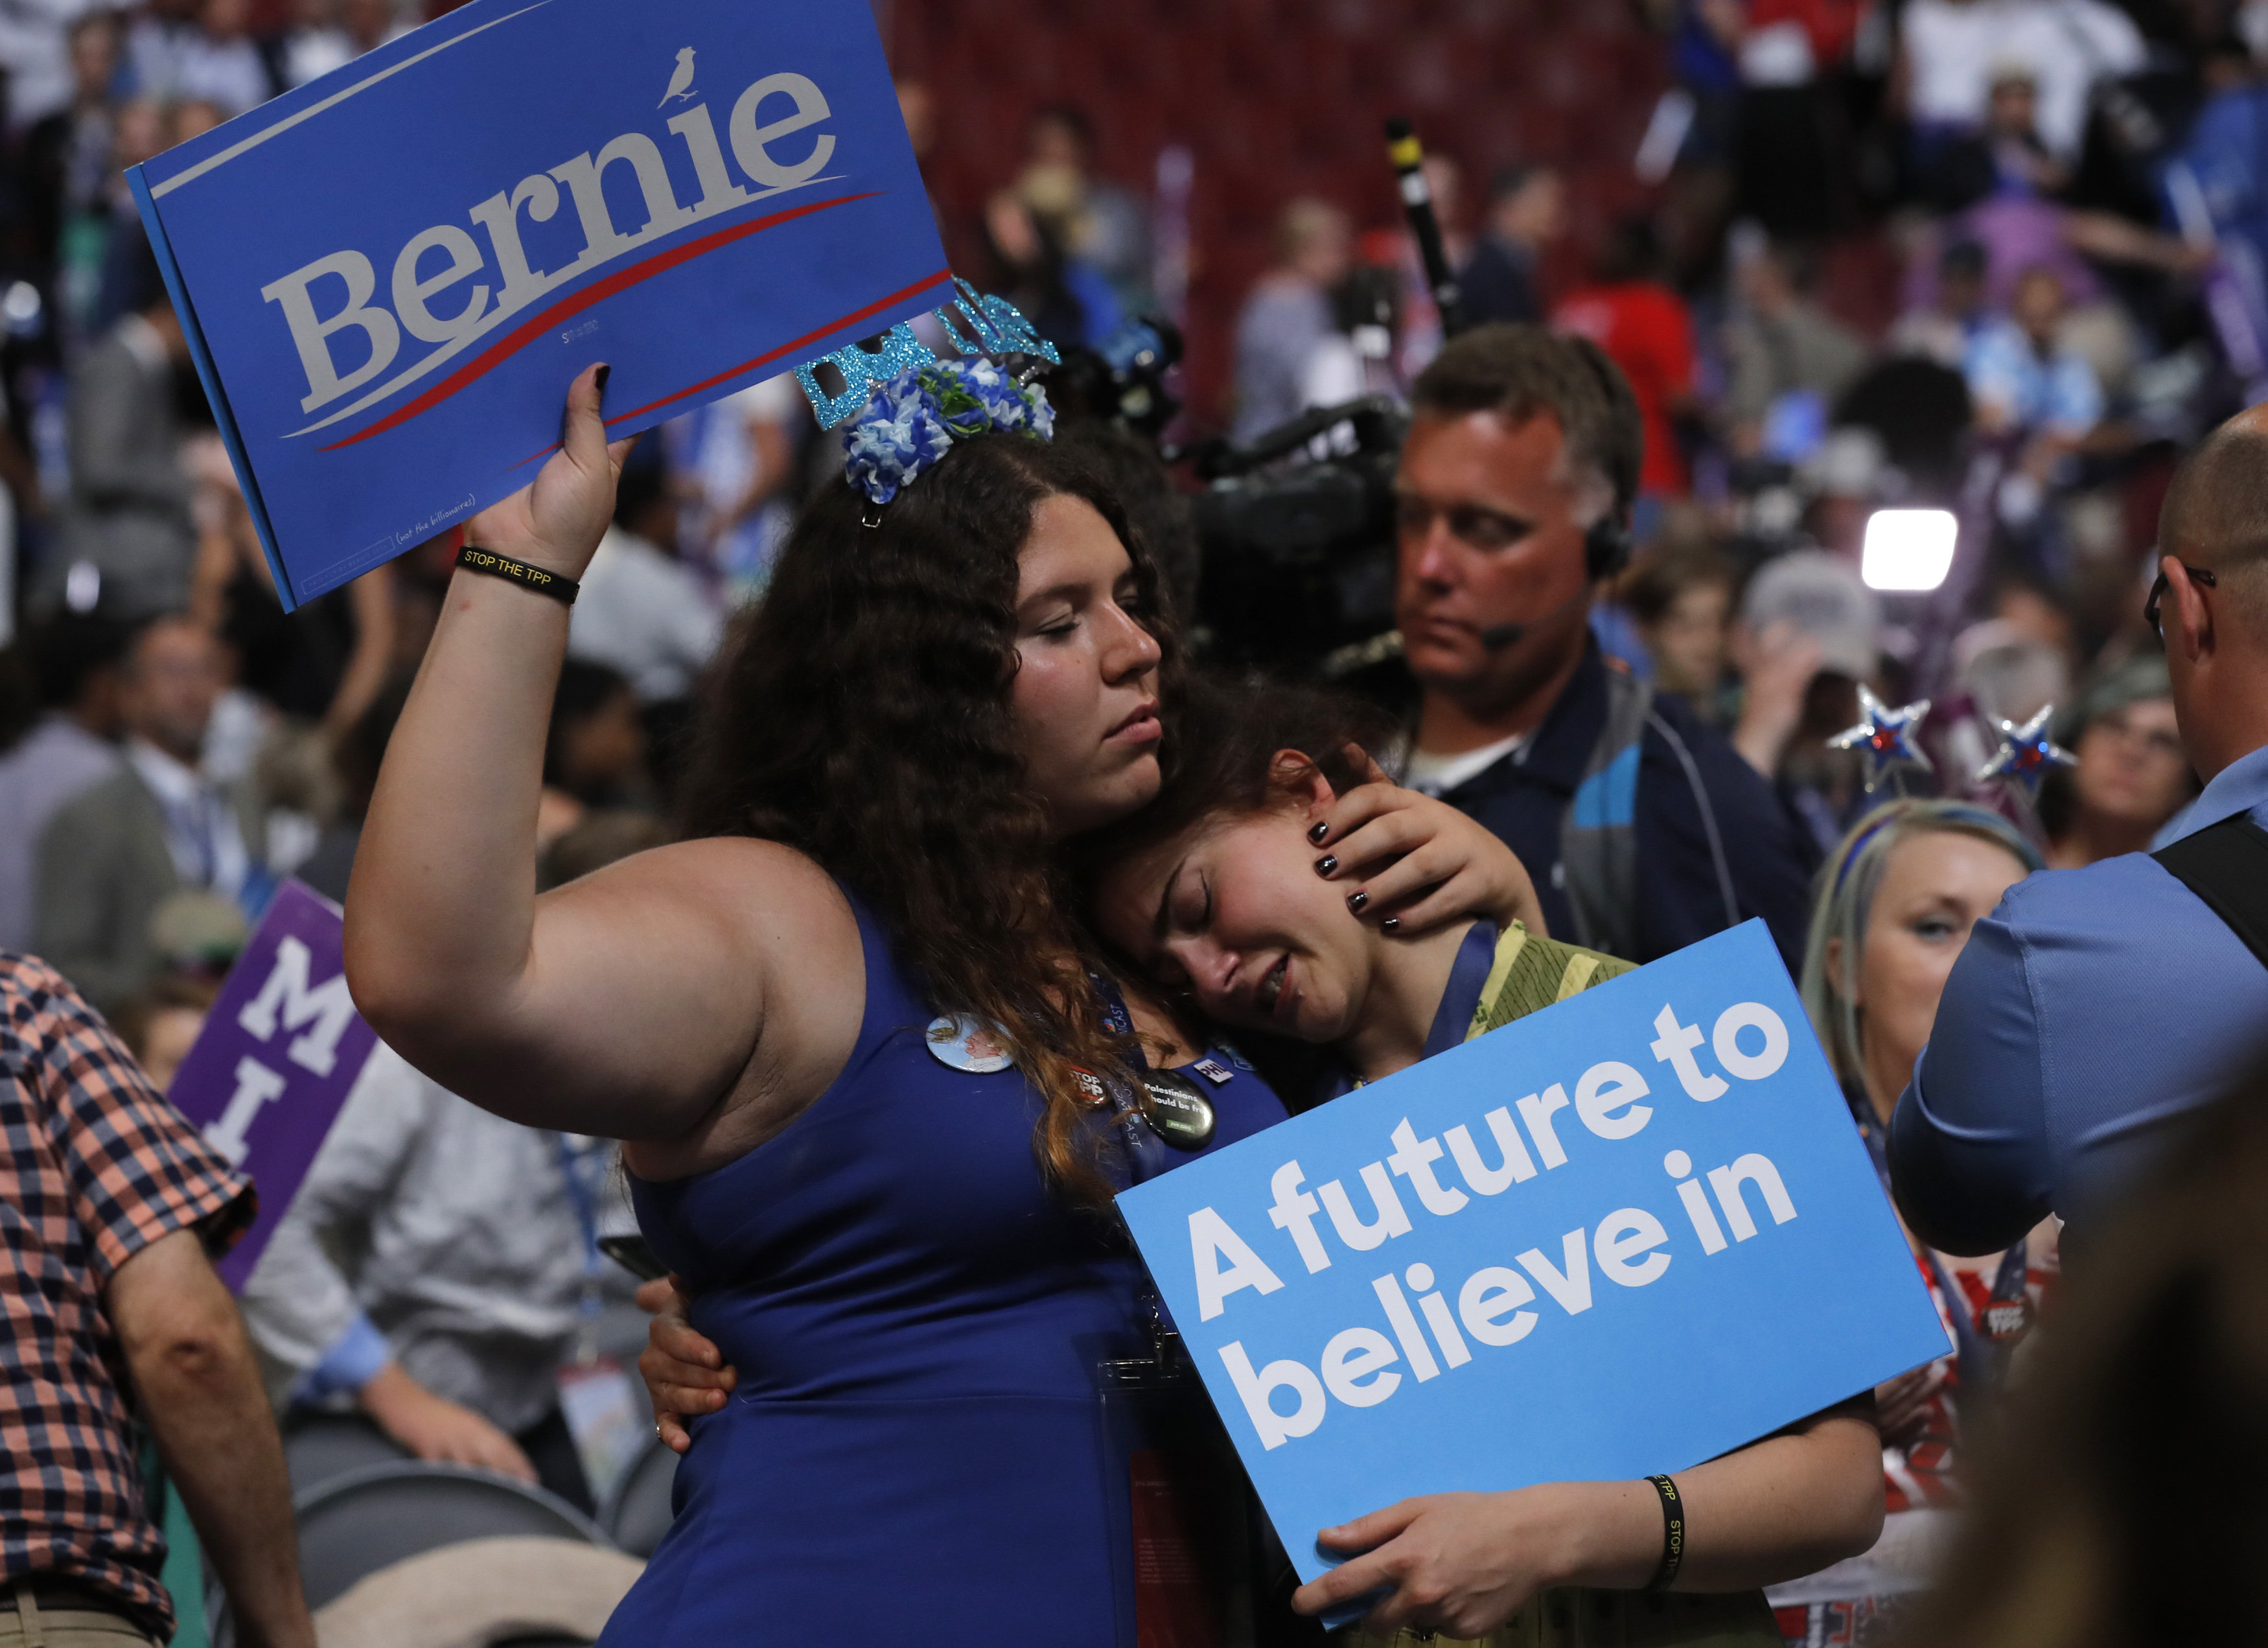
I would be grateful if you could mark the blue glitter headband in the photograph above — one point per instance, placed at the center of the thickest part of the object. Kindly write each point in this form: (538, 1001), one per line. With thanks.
(914, 420)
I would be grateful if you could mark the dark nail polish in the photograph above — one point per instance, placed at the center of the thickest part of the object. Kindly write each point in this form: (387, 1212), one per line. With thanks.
(1392, 923)
(1321, 830)
(1356, 900)
(605, 372)
(1326, 864)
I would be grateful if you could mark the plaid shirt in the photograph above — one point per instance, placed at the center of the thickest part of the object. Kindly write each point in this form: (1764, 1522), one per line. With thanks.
(97, 1167)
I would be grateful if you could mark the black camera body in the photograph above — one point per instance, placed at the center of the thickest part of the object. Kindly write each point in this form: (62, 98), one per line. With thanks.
(1297, 529)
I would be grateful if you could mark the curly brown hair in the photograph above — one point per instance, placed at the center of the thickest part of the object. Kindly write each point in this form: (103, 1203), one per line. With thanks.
(862, 716)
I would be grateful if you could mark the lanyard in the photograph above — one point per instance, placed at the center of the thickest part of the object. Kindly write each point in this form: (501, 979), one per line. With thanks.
(1467, 1001)
(1980, 1361)
(584, 1170)
(1145, 1154)
(191, 821)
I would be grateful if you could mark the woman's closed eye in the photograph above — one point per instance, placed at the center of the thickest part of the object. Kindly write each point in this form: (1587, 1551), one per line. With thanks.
(1190, 910)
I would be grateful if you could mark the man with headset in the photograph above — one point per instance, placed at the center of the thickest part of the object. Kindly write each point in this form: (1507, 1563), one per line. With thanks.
(1643, 828)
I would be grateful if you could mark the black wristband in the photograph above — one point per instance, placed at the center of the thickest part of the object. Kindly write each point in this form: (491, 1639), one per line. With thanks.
(1673, 1534)
(562, 590)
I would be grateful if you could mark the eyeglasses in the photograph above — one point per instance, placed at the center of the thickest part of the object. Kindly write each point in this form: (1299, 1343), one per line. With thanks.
(2198, 575)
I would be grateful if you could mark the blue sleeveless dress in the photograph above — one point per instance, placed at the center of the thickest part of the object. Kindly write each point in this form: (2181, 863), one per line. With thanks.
(916, 1450)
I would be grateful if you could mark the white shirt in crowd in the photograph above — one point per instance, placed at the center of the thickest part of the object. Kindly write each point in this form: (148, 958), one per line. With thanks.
(1953, 51)
(178, 63)
(313, 53)
(450, 1232)
(1437, 775)
(35, 54)
(645, 616)
(201, 832)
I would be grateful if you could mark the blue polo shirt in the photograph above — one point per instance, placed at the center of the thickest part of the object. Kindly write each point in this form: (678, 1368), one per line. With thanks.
(2090, 1012)
(1769, 855)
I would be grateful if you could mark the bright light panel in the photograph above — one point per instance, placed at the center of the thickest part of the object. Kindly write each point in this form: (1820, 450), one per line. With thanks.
(1908, 551)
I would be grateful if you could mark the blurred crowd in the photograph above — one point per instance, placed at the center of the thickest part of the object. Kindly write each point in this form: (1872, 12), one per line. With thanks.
(1998, 257)
(2001, 259)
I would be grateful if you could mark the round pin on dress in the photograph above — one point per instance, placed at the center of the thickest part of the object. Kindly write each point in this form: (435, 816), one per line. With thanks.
(962, 1043)
(1177, 1110)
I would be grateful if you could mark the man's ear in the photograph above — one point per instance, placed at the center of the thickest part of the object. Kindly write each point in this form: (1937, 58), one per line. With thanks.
(2188, 620)
(1294, 773)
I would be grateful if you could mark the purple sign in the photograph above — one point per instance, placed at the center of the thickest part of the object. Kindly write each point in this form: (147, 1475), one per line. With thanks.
(278, 1056)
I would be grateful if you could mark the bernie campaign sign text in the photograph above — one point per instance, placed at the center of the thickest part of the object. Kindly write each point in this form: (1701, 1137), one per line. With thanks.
(1622, 1236)
(280, 1052)
(390, 276)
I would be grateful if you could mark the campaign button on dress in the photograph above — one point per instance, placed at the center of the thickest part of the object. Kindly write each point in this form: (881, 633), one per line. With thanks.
(1177, 1112)
(1214, 1072)
(962, 1043)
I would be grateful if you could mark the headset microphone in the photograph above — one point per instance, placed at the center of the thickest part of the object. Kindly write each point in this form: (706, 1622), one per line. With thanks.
(1498, 638)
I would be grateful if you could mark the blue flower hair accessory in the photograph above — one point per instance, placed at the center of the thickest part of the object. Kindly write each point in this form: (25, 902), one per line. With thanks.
(914, 419)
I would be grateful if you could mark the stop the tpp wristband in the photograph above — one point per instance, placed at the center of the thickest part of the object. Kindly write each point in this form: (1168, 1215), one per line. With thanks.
(562, 590)
(1673, 1534)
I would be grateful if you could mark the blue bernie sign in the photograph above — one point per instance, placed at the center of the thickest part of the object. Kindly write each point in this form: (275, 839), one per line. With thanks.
(1621, 1236)
(391, 276)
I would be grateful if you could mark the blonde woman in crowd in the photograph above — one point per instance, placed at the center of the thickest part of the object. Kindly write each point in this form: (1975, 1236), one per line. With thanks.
(1896, 905)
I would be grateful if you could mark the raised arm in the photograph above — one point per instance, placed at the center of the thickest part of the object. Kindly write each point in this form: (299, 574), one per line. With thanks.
(628, 1003)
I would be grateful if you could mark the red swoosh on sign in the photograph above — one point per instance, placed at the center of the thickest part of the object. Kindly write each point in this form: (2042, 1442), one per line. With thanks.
(792, 347)
(621, 280)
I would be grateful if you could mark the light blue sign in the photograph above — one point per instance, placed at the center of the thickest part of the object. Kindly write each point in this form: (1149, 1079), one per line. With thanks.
(390, 276)
(1619, 1237)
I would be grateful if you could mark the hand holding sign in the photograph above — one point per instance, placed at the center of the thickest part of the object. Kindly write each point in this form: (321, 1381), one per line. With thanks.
(556, 521)
(1460, 1562)
(387, 276)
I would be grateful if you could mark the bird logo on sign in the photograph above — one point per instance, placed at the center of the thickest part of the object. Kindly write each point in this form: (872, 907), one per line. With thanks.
(681, 84)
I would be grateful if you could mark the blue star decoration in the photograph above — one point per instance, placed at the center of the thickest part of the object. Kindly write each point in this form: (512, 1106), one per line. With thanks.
(1885, 737)
(2026, 753)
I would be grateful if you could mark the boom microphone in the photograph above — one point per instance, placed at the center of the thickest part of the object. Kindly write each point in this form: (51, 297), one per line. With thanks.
(1408, 158)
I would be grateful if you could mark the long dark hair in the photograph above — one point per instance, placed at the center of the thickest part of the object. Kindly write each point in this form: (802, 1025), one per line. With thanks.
(862, 716)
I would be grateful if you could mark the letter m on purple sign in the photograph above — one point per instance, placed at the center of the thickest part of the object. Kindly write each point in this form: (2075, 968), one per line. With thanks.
(281, 1052)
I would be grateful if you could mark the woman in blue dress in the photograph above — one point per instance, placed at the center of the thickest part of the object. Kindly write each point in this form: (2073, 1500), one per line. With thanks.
(1213, 890)
(872, 1098)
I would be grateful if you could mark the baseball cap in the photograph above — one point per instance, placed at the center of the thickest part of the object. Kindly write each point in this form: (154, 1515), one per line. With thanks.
(1823, 597)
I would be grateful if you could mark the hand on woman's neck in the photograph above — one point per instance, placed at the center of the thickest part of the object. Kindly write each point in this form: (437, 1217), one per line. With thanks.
(1409, 977)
